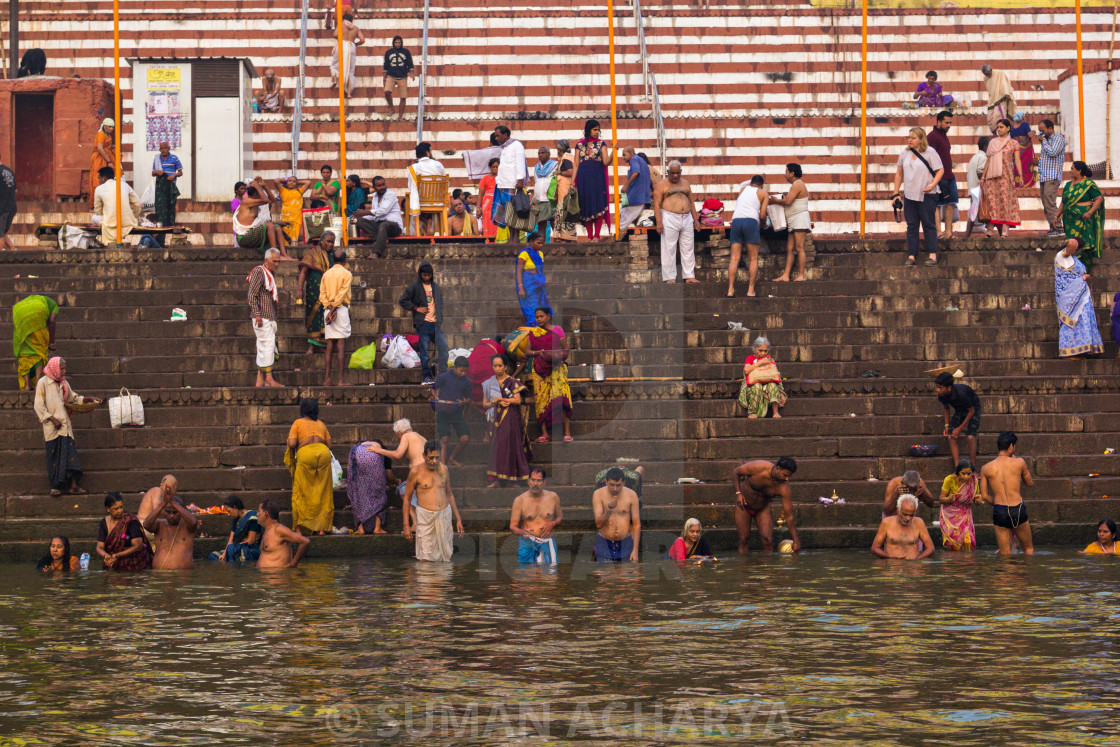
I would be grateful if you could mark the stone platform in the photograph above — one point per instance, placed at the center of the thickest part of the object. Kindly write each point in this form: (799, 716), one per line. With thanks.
(670, 398)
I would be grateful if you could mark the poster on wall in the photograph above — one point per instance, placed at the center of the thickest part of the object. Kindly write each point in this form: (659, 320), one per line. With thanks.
(163, 112)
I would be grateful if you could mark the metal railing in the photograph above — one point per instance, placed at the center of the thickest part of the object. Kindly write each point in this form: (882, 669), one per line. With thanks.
(423, 79)
(650, 81)
(297, 110)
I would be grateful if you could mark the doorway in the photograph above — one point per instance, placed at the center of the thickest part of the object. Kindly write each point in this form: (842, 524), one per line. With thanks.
(34, 146)
(217, 147)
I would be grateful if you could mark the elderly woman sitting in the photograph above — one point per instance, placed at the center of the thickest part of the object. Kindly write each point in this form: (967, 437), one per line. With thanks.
(762, 390)
(691, 544)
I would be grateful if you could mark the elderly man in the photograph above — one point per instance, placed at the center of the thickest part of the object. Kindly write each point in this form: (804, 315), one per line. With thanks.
(382, 221)
(910, 482)
(105, 206)
(904, 536)
(263, 300)
(52, 394)
(673, 205)
(513, 172)
(334, 297)
(638, 190)
(425, 166)
(434, 509)
(270, 98)
(1001, 96)
(1051, 161)
(461, 223)
(166, 168)
(544, 207)
(351, 39)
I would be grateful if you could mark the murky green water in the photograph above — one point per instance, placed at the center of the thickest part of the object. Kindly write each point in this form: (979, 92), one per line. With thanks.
(828, 648)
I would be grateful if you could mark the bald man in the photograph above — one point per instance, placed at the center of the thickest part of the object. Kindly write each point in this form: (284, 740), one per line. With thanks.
(157, 497)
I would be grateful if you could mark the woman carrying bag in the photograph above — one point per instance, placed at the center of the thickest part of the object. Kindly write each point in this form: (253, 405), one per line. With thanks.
(917, 180)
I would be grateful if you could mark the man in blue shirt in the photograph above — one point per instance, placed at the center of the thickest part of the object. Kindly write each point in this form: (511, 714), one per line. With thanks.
(451, 393)
(166, 168)
(1050, 163)
(638, 188)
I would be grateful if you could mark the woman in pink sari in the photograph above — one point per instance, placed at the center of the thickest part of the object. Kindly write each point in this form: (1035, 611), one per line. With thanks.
(997, 185)
(958, 492)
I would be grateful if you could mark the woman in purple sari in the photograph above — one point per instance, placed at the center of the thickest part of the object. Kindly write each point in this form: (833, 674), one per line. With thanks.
(368, 476)
(590, 178)
(510, 452)
(929, 93)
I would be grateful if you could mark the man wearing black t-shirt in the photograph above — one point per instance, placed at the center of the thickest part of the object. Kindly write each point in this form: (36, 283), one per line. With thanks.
(962, 414)
(398, 68)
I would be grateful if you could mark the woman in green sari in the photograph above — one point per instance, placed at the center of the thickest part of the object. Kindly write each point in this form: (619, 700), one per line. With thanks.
(1083, 213)
(33, 338)
(315, 261)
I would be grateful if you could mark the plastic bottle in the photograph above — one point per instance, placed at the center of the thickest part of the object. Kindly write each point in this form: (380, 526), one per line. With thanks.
(256, 106)
(83, 561)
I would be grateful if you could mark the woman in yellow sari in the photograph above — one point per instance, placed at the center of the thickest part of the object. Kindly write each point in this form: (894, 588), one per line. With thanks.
(549, 352)
(291, 192)
(1083, 213)
(308, 458)
(33, 338)
(104, 154)
(958, 492)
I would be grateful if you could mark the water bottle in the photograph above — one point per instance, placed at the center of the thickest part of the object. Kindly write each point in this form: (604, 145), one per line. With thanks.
(256, 106)
(84, 561)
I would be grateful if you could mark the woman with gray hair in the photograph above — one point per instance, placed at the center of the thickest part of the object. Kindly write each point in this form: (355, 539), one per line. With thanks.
(564, 224)
(762, 390)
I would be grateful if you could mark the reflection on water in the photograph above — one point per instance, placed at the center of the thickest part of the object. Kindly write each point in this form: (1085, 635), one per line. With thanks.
(828, 648)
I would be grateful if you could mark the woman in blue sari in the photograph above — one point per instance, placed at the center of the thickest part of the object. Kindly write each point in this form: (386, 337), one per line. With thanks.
(532, 290)
(1077, 330)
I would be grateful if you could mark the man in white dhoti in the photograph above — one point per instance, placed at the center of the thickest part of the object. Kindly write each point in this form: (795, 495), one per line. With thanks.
(435, 506)
(263, 299)
(351, 39)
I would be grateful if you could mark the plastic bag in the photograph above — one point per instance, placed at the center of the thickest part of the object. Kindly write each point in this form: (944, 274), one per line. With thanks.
(364, 358)
(336, 472)
(148, 199)
(399, 354)
(455, 353)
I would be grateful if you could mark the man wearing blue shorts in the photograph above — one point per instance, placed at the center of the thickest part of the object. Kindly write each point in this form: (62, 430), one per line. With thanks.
(535, 516)
(750, 212)
(617, 519)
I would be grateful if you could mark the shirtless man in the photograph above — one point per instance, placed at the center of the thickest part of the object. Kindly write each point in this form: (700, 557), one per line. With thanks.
(910, 482)
(276, 549)
(411, 445)
(271, 96)
(158, 496)
(1004, 476)
(673, 204)
(905, 535)
(435, 505)
(351, 39)
(798, 224)
(617, 519)
(762, 484)
(461, 223)
(535, 516)
(251, 229)
(174, 528)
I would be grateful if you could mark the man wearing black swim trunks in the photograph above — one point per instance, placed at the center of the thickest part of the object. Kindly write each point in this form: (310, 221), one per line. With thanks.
(1003, 477)
(757, 484)
(962, 414)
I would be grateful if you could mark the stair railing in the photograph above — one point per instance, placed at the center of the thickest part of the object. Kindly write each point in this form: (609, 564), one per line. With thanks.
(650, 82)
(423, 78)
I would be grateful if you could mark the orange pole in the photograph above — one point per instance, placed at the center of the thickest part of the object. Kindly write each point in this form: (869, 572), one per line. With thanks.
(614, 121)
(863, 133)
(1081, 88)
(341, 123)
(117, 109)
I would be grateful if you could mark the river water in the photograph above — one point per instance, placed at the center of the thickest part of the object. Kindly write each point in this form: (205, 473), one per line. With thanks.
(827, 648)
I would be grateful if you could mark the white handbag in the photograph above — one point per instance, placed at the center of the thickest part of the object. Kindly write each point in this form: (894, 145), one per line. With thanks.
(126, 410)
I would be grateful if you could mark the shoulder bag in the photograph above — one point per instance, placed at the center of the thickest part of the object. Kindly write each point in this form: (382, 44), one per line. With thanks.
(941, 190)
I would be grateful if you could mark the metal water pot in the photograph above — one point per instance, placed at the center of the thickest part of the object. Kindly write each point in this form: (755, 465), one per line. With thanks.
(598, 372)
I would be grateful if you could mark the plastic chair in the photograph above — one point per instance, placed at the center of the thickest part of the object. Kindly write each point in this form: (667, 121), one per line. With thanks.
(435, 197)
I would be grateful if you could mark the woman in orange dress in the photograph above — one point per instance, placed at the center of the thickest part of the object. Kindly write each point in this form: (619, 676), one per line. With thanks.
(486, 187)
(104, 154)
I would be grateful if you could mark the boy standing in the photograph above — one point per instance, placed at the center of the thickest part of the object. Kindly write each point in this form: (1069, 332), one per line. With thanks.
(451, 393)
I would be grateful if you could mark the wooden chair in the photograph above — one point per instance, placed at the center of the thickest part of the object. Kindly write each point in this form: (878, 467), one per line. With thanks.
(435, 197)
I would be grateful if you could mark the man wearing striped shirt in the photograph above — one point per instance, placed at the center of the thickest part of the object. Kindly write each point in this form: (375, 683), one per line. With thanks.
(1050, 174)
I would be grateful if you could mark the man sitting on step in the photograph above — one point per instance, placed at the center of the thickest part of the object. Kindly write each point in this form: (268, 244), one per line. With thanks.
(461, 223)
(105, 206)
(382, 220)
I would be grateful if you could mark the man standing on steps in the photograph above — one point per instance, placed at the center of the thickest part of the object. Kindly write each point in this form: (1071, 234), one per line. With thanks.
(938, 139)
(1004, 477)
(166, 168)
(263, 299)
(351, 39)
(277, 539)
(513, 172)
(910, 482)
(174, 528)
(618, 520)
(334, 296)
(1050, 164)
(962, 414)
(536, 514)
(756, 485)
(676, 220)
(398, 69)
(424, 298)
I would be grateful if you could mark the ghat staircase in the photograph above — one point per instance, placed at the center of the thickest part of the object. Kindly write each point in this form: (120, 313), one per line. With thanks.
(744, 87)
(669, 400)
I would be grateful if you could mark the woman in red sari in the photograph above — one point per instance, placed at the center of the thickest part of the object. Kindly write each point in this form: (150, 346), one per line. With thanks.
(549, 351)
(486, 187)
(120, 539)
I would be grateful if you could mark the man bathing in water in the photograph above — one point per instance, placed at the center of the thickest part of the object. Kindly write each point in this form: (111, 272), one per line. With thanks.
(904, 535)
(174, 528)
(1004, 476)
(910, 482)
(756, 485)
(535, 516)
(276, 542)
(617, 519)
(167, 489)
(435, 505)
